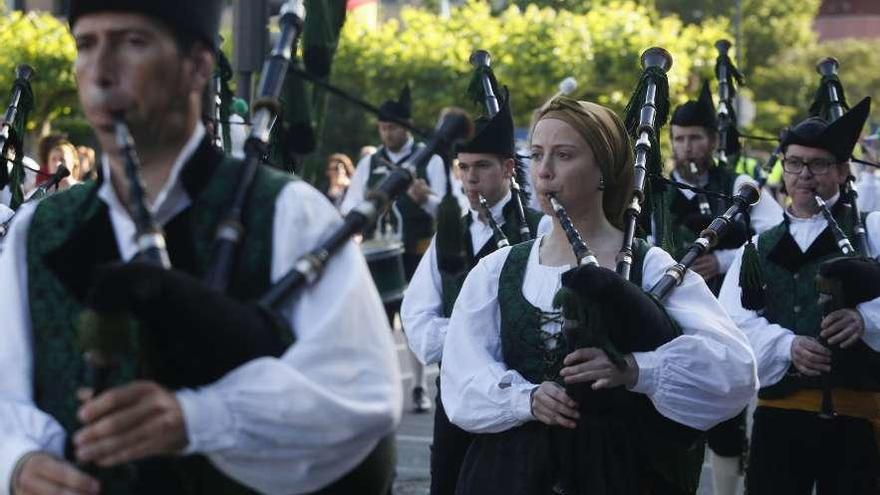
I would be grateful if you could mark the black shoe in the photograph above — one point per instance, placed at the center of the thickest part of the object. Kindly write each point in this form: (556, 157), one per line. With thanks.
(421, 402)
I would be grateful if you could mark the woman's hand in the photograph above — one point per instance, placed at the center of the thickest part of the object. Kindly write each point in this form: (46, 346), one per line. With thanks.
(552, 406)
(591, 364)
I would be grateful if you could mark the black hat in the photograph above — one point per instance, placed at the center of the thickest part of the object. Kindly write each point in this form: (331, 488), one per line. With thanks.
(197, 17)
(697, 113)
(400, 109)
(838, 137)
(493, 135)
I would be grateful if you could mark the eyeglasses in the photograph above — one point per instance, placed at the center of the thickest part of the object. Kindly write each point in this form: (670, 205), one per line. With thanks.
(817, 166)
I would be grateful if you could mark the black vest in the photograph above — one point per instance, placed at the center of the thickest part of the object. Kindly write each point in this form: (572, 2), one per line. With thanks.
(453, 279)
(418, 225)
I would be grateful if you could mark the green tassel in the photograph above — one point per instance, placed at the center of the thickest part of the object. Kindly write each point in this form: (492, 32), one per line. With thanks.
(105, 333)
(654, 188)
(16, 179)
(591, 332)
(223, 70)
(475, 90)
(751, 280)
(450, 235)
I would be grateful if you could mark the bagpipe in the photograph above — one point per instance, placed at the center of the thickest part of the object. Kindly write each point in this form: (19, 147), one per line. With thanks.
(646, 112)
(498, 234)
(12, 129)
(143, 290)
(834, 100)
(845, 282)
(61, 171)
(481, 60)
(746, 197)
(601, 308)
(728, 77)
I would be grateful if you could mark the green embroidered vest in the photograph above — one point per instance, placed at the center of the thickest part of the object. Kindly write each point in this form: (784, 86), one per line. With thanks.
(452, 282)
(418, 225)
(536, 355)
(71, 234)
(792, 300)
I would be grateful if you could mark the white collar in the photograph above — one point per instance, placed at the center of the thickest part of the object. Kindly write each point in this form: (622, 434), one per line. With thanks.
(162, 208)
(403, 151)
(830, 202)
(497, 210)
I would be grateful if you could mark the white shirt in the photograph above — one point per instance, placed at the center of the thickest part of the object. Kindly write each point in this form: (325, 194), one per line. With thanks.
(435, 171)
(764, 215)
(5, 213)
(422, 309)
(278, 425)
(699, 379)
(869, 189)
(772, 342)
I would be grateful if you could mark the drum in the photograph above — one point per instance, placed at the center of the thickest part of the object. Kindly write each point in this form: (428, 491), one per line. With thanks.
(385, 259)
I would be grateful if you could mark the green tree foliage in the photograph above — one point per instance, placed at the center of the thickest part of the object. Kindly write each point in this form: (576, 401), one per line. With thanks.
(767, 27)
(787, 83)
(532, 50)
(43, 42)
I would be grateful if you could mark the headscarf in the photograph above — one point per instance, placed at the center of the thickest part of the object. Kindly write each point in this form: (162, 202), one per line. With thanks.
(606, 135)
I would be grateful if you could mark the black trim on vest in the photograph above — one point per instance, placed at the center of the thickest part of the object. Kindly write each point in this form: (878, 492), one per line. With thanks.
(92, 244)
(200, 168)
(787, 254)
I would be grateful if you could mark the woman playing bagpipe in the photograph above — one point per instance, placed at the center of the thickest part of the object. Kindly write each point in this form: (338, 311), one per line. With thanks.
(817, 358)
(487, 163)
(633, 414)
(231, 404)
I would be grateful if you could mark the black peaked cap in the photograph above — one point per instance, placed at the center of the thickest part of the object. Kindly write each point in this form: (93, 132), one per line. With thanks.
(839, 137)
(400, 109)
(697, 113)
(493, 135)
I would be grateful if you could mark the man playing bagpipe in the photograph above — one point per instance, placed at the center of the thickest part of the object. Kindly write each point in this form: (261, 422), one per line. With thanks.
(417, 208)
(694, 136)
(212, 394)
(815, 327)
(487, 163)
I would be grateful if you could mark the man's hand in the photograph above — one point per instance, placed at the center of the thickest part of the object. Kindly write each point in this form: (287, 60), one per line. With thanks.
(419, 191)
(552, 406)
(844, 327)
(809, 356)
(706, 266)
(593, 365)
(39, 473)
(129, 423)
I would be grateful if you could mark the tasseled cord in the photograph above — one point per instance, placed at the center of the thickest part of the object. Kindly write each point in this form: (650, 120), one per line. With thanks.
(475, 90)
(655, 188)
(590, 332)
(450, 232)
(751, 279)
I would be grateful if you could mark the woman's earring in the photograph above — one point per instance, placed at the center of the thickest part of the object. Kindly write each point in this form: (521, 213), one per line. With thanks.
(601, 183)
